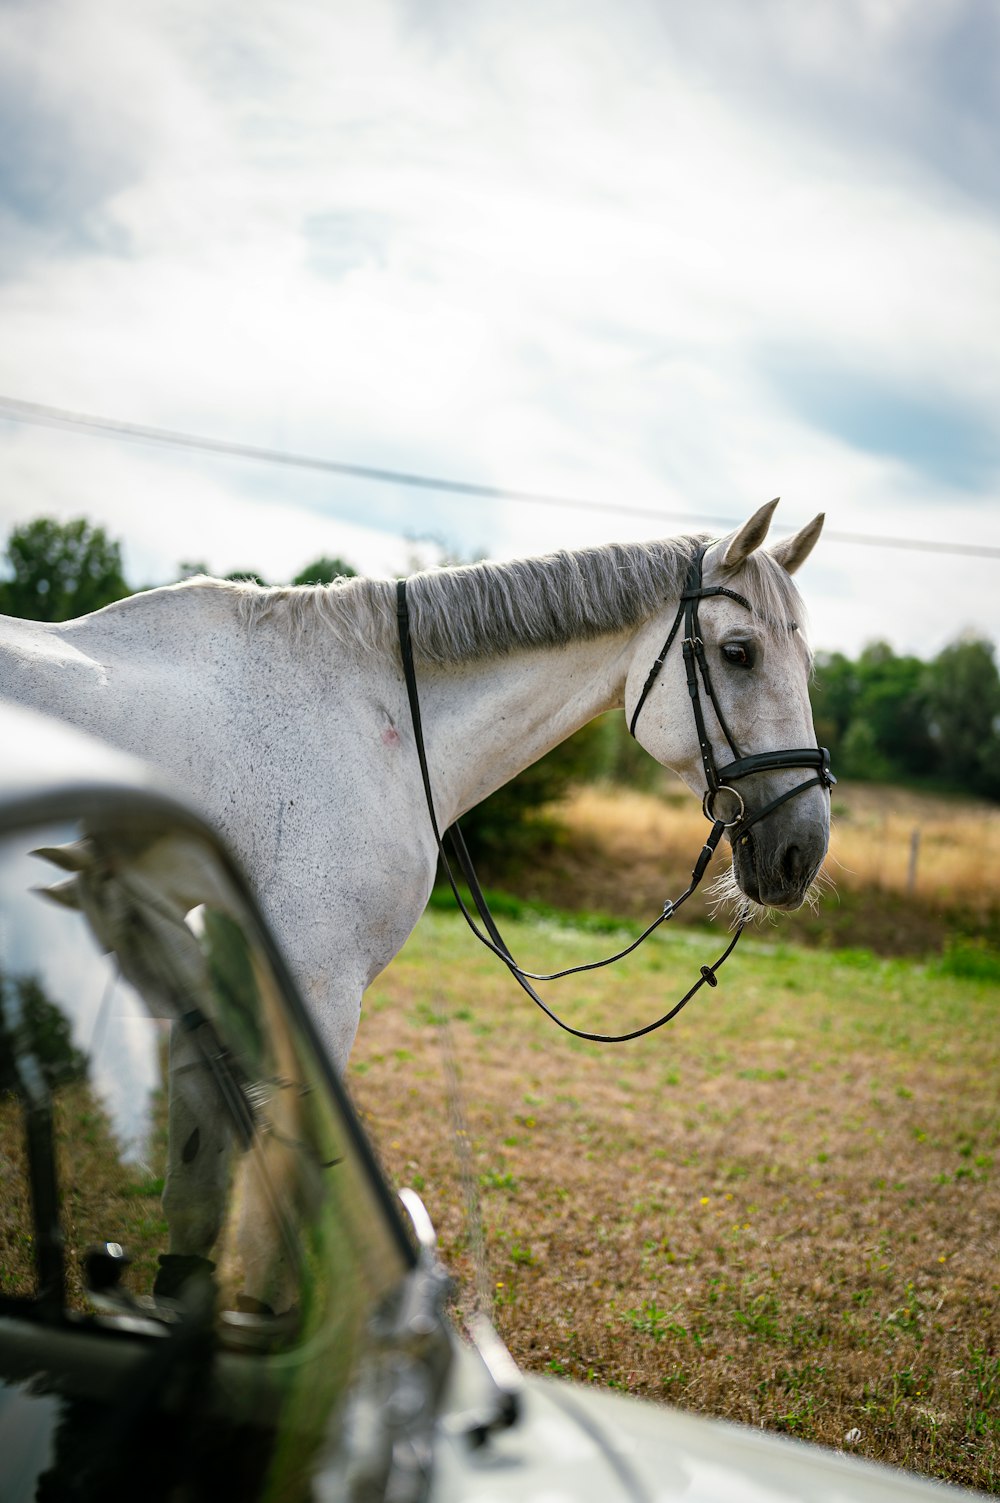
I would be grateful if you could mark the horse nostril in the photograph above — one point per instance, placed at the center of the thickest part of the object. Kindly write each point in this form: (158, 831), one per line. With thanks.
(794, 864)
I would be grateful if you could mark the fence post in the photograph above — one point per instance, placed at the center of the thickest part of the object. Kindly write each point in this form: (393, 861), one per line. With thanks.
(911, 875)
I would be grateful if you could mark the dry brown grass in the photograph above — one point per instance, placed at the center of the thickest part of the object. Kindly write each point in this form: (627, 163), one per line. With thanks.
(958, 857)
(622, 852)
(784, 1211)
(17, 1264)
(101, 1198)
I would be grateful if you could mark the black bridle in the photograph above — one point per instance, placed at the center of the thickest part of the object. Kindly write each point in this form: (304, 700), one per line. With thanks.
(717, 780)
(695, 666)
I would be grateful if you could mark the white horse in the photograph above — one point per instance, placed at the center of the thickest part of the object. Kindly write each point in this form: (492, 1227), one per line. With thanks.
(284, 715)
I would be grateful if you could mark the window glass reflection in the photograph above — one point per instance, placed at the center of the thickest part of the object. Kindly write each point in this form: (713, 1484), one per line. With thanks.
(145, 1039)
(80, 999)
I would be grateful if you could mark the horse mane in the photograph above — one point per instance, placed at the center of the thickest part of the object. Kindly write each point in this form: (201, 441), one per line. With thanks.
(482, 610)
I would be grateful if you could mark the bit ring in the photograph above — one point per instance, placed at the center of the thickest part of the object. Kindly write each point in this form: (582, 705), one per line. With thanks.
(709, 798)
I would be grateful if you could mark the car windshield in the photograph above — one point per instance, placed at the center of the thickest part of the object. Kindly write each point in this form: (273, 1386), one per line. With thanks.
(169, 1141)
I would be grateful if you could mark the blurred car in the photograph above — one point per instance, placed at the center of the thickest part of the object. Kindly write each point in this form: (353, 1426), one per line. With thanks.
(207, 1289)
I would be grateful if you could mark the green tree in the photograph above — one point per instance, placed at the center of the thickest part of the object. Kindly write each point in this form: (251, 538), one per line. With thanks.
(834, 692)
(872, 714)
(962, 689)
(892, 705)
(324, 570)
(57, 570)
(43, 1032)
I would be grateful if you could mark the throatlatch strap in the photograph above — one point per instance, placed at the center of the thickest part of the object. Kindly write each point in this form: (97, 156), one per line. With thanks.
(653, 673)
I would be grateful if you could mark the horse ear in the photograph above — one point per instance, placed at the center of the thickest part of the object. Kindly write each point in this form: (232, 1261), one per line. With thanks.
(75, 856)
(793, 551)
(67, 893)
(738, 547)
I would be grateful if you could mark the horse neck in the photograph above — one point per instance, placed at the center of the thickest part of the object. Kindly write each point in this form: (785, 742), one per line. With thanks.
(485, 721)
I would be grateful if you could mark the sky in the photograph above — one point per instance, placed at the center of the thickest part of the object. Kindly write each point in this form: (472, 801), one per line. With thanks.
(661, 256)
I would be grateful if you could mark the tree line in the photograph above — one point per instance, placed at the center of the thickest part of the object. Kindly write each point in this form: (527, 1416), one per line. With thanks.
(885, 717)
(896, 718)
(53, 571)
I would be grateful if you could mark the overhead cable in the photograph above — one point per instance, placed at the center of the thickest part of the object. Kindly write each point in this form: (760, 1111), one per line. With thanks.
(39, 413)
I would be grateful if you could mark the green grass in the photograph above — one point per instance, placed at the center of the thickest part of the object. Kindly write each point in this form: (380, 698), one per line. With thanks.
(782, 1209)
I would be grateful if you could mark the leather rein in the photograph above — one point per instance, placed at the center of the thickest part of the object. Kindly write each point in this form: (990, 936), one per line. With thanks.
(718, 781)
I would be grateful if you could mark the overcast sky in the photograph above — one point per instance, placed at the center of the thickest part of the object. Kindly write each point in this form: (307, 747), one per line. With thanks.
(661, 255)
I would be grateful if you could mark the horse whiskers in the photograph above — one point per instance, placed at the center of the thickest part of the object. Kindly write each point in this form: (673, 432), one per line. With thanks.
(728, 901)
(823, 882)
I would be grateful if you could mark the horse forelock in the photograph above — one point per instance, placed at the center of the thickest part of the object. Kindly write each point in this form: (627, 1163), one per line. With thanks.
(489, 609)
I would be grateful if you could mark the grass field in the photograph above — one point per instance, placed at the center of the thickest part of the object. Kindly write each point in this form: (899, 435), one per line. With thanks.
(784, 1209)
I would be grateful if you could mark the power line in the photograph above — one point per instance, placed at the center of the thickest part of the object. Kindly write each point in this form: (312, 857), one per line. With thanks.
(55, 417)
(39, 414)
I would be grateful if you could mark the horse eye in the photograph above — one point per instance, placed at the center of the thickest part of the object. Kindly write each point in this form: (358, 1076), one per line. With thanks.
(740, 654)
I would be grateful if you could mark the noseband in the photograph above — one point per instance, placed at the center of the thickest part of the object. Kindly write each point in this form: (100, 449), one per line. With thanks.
(717, 780)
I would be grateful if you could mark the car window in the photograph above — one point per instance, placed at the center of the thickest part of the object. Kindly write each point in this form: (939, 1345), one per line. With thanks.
(164, 1126)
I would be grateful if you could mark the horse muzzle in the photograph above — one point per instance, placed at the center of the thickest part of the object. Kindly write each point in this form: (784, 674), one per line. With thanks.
(776, 869)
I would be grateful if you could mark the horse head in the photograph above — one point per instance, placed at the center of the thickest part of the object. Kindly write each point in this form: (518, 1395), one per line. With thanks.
(729, 709)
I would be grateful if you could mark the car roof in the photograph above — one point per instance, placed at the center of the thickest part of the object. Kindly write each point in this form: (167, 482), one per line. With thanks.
(45, 763)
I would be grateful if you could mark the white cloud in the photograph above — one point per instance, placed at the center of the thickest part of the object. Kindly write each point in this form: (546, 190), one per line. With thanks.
(172, 508)
(549, 251)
